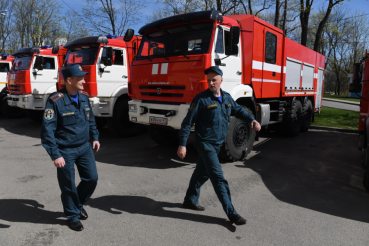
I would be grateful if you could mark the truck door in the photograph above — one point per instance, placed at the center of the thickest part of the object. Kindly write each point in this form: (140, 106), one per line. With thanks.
(42, 80)
(231, 66)
(272, 64)
(113, 76)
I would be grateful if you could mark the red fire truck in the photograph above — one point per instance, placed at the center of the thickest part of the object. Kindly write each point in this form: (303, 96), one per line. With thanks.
(33, 78)
(359, 84)
(107, 59)
(5, 65)
(276, 79)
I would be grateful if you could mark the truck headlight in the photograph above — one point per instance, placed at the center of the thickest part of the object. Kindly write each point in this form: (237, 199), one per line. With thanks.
(132, 108)
(24, 99)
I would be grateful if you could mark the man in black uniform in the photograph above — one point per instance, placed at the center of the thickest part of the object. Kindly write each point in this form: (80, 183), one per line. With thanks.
(210, 111)
(68, 123)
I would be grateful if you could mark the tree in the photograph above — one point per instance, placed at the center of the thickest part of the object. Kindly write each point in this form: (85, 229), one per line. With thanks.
(112, 16)
(6, 23)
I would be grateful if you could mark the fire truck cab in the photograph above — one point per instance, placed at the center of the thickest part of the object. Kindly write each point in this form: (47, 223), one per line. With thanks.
(277, 80)
(33, 78)
(107, 59)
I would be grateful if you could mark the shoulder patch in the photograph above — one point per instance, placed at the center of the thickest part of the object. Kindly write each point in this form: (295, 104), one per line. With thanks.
(192, 107)
(84, 93)
(229, 105)
(48, 114)
(57, 96)
(212, 105)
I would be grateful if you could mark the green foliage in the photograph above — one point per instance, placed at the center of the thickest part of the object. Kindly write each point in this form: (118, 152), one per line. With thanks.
(337, 118)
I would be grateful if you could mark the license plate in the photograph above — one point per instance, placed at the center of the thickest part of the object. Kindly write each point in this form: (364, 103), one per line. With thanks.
(158, 120)
(14, 103)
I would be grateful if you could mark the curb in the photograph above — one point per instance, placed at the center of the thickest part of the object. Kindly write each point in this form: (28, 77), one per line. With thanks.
(341, 101)
(333, 129)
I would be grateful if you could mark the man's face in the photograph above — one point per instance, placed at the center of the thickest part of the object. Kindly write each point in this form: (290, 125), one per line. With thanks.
(76, 82)
(214, 81)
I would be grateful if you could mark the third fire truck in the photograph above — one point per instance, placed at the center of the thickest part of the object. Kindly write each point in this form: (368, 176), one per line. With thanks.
(276, 79)
(33, 78)
(107, 59)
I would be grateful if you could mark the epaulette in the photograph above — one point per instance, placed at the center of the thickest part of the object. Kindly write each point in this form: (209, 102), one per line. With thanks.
(57, 96)
(84, 93)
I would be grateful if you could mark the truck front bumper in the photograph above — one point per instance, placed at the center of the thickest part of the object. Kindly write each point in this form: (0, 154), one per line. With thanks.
(102, 107)
(33, 102)
(161, 114)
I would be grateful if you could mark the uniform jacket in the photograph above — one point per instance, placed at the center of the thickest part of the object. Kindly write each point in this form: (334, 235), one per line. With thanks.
(210, 117)
(66, 124)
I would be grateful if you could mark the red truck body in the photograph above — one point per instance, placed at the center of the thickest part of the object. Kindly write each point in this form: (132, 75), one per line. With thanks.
(107, 78)
(262, 69)
(33, 78)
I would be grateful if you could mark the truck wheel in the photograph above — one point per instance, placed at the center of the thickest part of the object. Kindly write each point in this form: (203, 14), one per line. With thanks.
(163, 136)
(293, 121)
(10, 112)
(35, 115)
(120, 124)
(239, 141)
(307, 116)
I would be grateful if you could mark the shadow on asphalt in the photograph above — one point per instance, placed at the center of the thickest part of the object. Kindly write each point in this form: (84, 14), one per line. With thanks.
(28, 211)
(147, 206)
(138, 151)
(317, 170)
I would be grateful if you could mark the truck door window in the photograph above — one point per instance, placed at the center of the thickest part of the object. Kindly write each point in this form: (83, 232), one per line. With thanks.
(270, 48)
(4, 67)
(219, 45)
(48, 63)
(118, 57)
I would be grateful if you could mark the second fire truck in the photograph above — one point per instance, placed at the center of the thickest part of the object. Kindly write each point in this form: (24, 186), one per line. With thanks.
(107, 59)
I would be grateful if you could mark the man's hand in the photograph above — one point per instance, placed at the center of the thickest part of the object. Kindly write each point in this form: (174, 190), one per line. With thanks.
(96, 145)
(255, 125)
(181, 152)
(59, 162)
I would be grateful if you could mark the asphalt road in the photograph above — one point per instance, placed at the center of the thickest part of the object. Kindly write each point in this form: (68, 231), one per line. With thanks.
(341, 105)
(293, 191)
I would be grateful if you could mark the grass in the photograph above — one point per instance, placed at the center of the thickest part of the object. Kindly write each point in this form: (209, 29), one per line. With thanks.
(340, 97)
(339, 118)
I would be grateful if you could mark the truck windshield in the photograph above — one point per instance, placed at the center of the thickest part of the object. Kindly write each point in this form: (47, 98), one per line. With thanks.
(83, 55)
(22, 62)
(189, 39)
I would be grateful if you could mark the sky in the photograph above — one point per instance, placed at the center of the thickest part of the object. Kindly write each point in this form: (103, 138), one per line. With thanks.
(354, 5)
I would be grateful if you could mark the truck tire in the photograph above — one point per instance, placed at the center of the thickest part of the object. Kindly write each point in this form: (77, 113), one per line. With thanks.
(120, 124)
(307, 116)
(163, 136)
(293, 121)
(10, 112)
(239, 141)
(35, 115)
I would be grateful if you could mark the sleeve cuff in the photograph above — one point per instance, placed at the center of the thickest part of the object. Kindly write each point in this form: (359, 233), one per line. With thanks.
(182, 142)
(56, 155)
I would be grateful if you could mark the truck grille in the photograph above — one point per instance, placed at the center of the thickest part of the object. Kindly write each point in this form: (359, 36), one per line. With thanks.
(153, 94)
(165, 87)
(14, 88)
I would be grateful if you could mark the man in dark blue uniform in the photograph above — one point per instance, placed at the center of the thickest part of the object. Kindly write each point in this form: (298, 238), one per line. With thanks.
(68, 123)
(210, 111)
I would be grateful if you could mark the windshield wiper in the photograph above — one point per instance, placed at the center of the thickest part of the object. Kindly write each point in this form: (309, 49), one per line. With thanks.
(182, 53)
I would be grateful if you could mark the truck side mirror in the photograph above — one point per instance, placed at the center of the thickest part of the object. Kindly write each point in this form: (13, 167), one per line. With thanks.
(357, 73)
(129, 35)
(108, 58)
(355, 88)
(55, 49)
(232, 43)
(38, 63)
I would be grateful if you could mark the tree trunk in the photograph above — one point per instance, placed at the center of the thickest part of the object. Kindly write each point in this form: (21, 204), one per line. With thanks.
(304, 19)
(276, 17)
(219, 5)
(284, 17)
